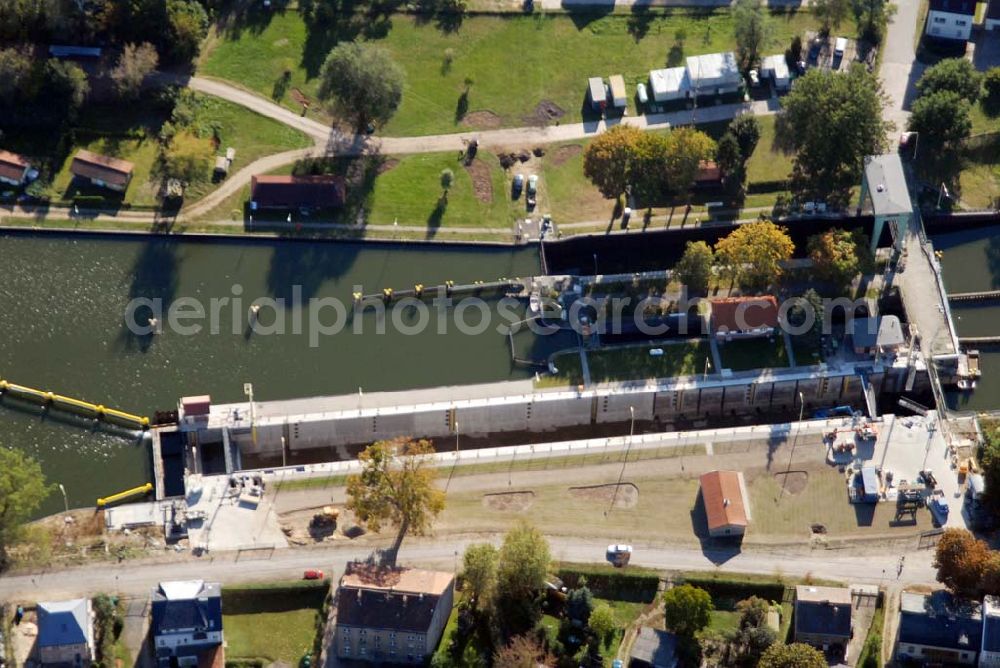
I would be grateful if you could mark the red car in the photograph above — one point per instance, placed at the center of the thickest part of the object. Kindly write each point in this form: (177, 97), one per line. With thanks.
(313, 574)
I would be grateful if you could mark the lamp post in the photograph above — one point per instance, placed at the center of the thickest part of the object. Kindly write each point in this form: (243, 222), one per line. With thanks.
(708, 365)
(65, 500)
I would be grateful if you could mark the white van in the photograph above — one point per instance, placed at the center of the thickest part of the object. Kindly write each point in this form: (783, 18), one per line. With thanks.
(640, 91)
(839, 47)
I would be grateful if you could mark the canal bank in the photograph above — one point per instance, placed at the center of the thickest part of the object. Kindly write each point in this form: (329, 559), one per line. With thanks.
(63, 303)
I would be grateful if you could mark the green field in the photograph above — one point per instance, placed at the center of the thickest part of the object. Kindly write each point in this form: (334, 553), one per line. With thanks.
(507, 65)
(276, 625)
(768, 162)
(632, 363)
(746, 354)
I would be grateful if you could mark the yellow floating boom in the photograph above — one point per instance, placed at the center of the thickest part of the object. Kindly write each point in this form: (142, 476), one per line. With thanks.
(69, 403)
(128, 493)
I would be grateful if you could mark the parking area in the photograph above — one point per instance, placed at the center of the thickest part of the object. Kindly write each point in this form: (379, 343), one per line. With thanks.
(823, 52)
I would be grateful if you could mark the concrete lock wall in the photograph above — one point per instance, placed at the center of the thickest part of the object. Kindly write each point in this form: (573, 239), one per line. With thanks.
(546, 412)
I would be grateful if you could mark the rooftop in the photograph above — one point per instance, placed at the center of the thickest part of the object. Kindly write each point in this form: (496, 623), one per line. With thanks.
(967, 7)
(712, 68)
(103, 167)
(64, 623)
(322, 191)
(940, 620)
(722, 494)
(738, 314)
(824, 610)
(887, 185)
(884, 331)
(654, 648)
(671, 80)
(12, 165)
(402, 580)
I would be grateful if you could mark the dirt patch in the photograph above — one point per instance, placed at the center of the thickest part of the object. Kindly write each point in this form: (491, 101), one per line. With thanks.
(509, 501)
(387, 165)
(482, 182)
(482, 120)
(562, 154)
(793, 482)
(545, 112)
(300, 97)
(627, 495)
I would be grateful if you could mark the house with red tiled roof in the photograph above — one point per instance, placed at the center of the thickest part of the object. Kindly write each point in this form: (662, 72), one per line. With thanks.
(744, 317)
(726, 505)
(13, 168)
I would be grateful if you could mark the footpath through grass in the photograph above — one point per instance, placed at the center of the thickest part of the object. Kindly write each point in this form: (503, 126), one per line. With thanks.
(632, 363)
(492, 71)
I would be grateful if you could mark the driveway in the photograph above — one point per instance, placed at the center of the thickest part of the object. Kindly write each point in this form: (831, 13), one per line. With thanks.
(900, 67)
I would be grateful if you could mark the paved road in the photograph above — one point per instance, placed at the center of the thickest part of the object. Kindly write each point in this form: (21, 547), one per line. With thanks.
(900, 67)
(139, 577)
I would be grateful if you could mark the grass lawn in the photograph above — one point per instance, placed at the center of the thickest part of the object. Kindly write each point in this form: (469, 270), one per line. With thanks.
(551, 55)
(768, 162)
(278, 625)
(632, 363)
(132, 134)
(746, 354)
(724, 620)
(411, 189)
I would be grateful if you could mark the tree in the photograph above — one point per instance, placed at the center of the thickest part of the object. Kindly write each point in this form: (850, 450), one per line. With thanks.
(522, 652)
(957, 75)
(15, 71)
(746, 128)
(647, 165)
(991, 90)
(833, 120)
(753, 612)
(187, 26)
(602, 621)
(731, 163)
(479, 574)
(395, 486)
(941, 118)
(524, 562)
(687, 609)
(65, 86)
(188, 157)
(796, 655)
(990, 460)
(873, 17)
(608, 157)
(579, 604)
(838, 255)
(22, 490)
(363, 82)
(752, 28)
(447, 178)
(799, 315)
(754, 641)
(752, 254)
(694, 269)
(831, 13)
(134, 65)
(963, 563)
(686, 148)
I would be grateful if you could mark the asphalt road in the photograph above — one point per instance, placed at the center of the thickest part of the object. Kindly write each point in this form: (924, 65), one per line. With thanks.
(140, 577)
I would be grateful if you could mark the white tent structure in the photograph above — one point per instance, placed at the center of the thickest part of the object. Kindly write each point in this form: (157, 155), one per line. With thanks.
(776, 68)
(670, 84)
(714, 73)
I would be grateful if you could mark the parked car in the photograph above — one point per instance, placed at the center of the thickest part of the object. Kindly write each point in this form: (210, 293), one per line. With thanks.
(839, 47)
(517, 186)
(619, 555)
(754, 77)
(640, 92)
(532, 184)
(313, 574)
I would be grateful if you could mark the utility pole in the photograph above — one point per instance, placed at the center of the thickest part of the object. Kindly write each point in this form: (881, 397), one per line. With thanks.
(65, 500)
(628, 448)
(248, 391)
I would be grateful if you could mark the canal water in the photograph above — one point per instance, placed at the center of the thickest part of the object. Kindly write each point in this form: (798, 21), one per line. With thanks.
(971, 263)
(63, 305)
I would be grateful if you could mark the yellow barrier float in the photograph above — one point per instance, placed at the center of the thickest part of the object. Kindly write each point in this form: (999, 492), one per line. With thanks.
(128, 493)
(59, 401)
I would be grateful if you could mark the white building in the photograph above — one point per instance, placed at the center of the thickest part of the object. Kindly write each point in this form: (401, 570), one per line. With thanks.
(714, 73)
(776, 69)
(671, 83)
(186, 621)
(989, 653)
(950, 19)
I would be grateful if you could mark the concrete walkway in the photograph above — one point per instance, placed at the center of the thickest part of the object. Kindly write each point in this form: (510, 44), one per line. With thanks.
(900, 67)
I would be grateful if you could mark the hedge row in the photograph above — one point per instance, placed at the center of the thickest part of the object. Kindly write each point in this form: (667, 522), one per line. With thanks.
(728, 592)
(759, 187)
(625, 584)
(276, 597)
